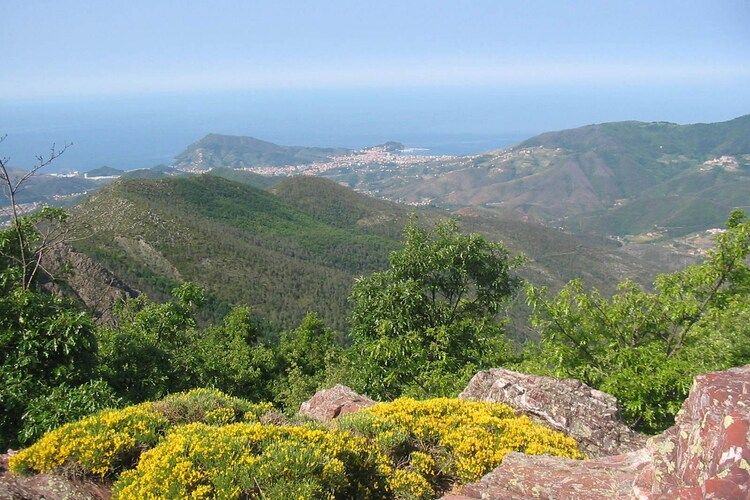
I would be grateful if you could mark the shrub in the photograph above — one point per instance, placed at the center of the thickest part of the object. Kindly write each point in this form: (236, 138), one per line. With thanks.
(65, 404)
(210, 406)
(448, 440)
(255, 460)
(112, 440)
(205, 444)
(98, 445)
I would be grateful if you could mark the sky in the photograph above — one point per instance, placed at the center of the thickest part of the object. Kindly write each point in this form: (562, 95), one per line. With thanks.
(348, 71)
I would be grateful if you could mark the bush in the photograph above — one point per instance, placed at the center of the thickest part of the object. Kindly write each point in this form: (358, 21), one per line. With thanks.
(255, 460)
(205, 405)
(200, 444)
(448, 440)
(65, 404)
(645, 346)
(111, 440)
(100, 445)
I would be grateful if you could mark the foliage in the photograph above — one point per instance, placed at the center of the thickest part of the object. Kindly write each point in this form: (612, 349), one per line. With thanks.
(111, 440)
(157, 348)
(206, 444)
(233, 356)
(44, 340)
(645, 347)
(65, 404)
(306, 352)
(255, 461)
(202, 405)
(138, 357)
(423, 325)
(101, 444)
(449, 440)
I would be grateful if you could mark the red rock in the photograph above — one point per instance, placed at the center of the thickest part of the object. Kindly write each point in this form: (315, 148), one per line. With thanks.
(706, 454)
(591, 417)
(328, 404)
(47, 486)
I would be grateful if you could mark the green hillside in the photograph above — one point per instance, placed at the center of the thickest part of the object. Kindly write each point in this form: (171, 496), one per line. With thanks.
(612, 178)
(244, 244)
(244, 177)
(299, 249)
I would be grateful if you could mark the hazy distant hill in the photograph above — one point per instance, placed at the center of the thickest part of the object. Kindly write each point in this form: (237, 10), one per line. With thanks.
(299, 249)
(217, 150)
(614, 178)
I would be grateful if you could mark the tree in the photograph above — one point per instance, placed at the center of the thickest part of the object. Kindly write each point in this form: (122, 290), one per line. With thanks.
(45, 341)
(306, 354)
(49, 230)
(645, 347)
(423, 325)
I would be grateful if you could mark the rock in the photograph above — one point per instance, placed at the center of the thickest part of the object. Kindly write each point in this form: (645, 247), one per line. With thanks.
(590, 416)
(524, 476)
(47, 486)
(86, 280)
(706, 454)
(330, 403)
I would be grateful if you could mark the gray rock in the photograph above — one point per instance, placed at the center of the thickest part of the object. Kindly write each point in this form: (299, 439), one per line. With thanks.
(569, 406)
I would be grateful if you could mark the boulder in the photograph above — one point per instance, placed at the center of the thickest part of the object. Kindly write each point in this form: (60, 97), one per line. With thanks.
(328, 404)
(47, 486)
(706, 454)
(569, 406)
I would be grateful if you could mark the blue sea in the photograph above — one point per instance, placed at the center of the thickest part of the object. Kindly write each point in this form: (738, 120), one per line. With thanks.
(145, 130)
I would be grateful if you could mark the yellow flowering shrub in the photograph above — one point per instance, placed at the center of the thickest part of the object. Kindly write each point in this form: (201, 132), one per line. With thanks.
(205, 444)
(257, 461)
(112, 440)
(448, 440)
(99, 444)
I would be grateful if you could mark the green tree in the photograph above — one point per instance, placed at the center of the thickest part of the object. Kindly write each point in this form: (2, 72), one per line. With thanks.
(232, 356)
(644, 347)
(306, 354)
(156, 349)
(45, 340)
(429, 321)
(138, 357)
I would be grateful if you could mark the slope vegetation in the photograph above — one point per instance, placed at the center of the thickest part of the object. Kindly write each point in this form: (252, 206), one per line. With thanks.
(299, 249)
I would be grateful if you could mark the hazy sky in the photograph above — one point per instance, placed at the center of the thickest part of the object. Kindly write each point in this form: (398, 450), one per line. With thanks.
(132, 83)
(72, 48)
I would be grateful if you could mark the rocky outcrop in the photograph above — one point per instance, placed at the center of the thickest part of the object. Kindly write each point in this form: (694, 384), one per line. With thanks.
(590, 416)
(47, 486)
(328, 404)
(706, 454)
(87, 280)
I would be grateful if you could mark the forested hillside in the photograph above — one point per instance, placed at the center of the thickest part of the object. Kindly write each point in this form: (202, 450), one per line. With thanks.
(298, 248)
(621, 178)
(244, 244)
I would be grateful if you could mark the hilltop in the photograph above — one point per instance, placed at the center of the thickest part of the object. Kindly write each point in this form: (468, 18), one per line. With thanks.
(215, 150)
(613, 178)
(298, 247)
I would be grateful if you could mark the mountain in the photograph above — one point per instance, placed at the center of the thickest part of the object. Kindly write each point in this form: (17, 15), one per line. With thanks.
(245, 245)
(216, 150)
(613, 178)
(297, 248)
